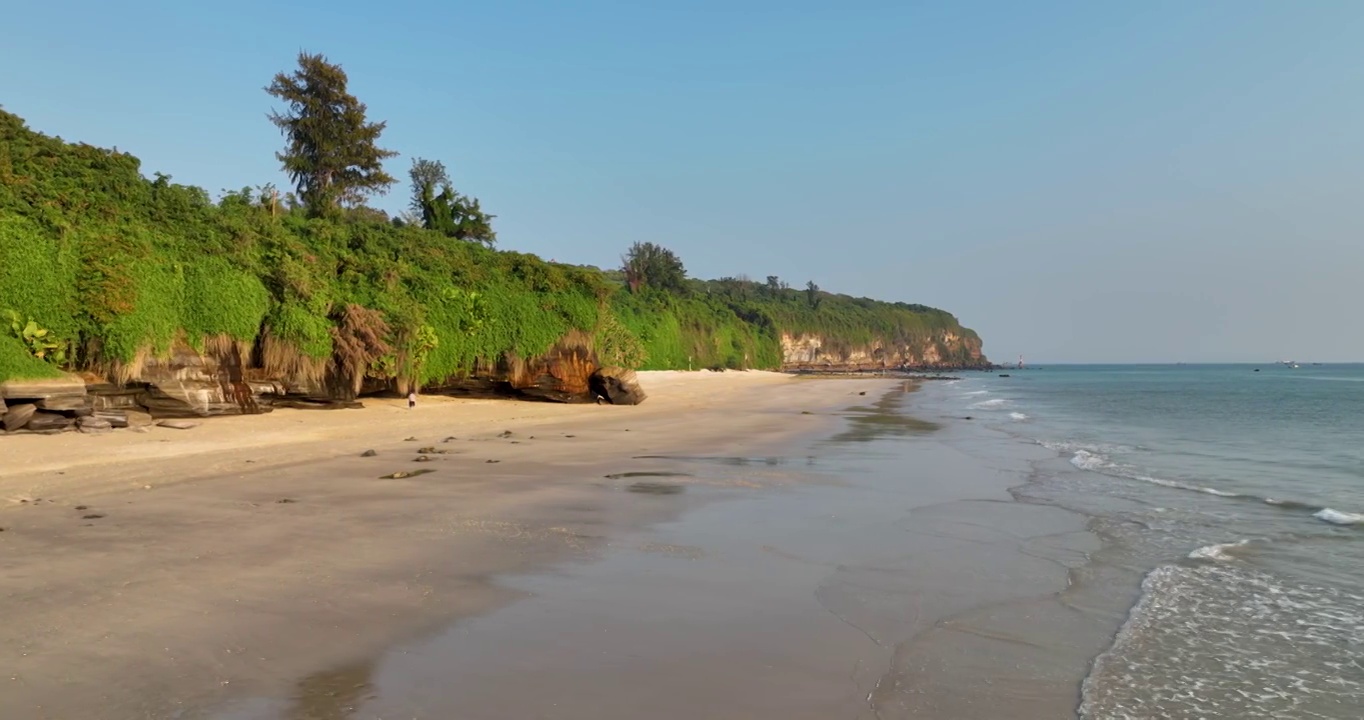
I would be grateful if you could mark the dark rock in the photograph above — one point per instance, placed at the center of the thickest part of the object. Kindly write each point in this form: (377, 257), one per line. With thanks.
(620, 386)
(426, 450)
(92, 425)
(505, 434)
(411, 439)
(178, 424)
(115, 418)
(368, 453)
(18, 416)
(92, 516)
(49, 422)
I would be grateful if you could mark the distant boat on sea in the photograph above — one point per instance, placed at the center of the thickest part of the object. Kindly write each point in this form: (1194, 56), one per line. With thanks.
(1288, 363)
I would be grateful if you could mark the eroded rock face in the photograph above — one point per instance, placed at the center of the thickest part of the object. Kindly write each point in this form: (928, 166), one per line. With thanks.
(66, 385)
(619, 386)
(943, 350)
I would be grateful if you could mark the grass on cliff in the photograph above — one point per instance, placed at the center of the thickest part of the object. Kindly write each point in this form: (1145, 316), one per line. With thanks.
(120, 266)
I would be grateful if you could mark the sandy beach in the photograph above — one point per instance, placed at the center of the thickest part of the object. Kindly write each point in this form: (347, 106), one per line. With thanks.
(701, 555)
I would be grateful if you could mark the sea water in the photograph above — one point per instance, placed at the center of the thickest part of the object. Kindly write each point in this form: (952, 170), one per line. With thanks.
(1235, 496)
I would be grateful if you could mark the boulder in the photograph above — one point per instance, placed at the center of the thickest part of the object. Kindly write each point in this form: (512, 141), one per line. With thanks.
(138, 419)
(67, 384)
(187, 399)
(63, 403)
(619, 386)
(115, 418)
(18, 416)
(93, 425)
(51, 422)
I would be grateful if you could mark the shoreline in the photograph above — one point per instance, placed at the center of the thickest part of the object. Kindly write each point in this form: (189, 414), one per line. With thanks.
(259, 579)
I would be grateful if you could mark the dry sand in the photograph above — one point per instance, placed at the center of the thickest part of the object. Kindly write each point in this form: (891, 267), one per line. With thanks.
(160, 575)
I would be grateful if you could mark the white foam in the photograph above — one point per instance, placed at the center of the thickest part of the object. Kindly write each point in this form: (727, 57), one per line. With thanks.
(1086, 460)
(993, 402)
(1336, 517)
(1249, 645)
(976, 392)
(1018, 416)
(1217, 552)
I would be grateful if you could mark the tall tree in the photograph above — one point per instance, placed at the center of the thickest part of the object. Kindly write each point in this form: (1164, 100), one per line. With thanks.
(332, 155)
(812, 295)
(428, 179)
(650, 265)
(444, 210)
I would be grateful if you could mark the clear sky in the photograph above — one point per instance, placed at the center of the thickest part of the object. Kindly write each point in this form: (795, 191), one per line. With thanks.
(1078, 181)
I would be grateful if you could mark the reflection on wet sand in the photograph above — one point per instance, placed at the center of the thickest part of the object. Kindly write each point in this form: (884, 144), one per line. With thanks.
(883, 419)
(334, 694)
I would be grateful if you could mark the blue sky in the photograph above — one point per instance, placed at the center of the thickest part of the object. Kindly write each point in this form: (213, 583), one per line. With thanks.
(1078, 181)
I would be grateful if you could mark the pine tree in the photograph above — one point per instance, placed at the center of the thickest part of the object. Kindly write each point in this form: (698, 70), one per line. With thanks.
(332, 156)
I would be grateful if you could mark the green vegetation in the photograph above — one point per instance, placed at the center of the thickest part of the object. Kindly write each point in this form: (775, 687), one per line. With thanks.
(101, 267)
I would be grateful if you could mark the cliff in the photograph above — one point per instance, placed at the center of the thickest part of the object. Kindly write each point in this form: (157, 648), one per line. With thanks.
(944, 350)
(164, 300)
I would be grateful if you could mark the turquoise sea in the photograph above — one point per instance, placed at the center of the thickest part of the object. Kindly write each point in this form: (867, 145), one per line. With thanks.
(1235, 495)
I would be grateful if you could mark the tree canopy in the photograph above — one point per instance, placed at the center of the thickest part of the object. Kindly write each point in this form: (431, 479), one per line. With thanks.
(654, 266)
(447, 212)
(332, 155)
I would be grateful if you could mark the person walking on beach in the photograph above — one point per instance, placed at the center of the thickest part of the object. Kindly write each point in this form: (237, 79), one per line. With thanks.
(412, 399)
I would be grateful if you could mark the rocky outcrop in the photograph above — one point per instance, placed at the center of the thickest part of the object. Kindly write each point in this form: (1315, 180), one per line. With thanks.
(618, 386)
(945, 350)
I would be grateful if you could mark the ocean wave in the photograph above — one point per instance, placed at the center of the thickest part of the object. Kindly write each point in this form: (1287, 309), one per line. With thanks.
(1018, 416)
(976, 392)
(1090, 458)
(1336, 517)
(993, 402)
(1249, 644)
(1218, 552)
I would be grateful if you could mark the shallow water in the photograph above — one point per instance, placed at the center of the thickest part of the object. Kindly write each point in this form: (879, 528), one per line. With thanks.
(1237, 496)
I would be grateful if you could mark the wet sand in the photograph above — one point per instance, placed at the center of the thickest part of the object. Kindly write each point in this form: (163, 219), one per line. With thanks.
(742, 545)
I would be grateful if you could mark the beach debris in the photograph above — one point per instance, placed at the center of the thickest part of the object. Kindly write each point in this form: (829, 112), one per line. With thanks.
(410, 439)
(490, 462)
(570, 436)
(619, 476)
(92, 516)
(427, 450)
(178, 424)
(405, 474)
(285, 501)
(82, 507)
(806, 412)
(446, 440)
(368, 453)
(864, 392)
(422, 458)
(505, 434)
